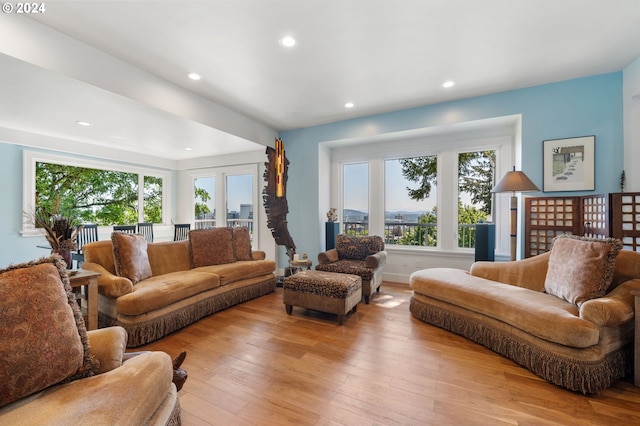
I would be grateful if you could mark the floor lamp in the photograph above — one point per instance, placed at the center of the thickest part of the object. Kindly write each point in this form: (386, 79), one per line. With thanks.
(514, 182)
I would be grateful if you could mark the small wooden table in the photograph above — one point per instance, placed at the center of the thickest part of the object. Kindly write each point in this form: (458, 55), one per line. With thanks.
(89, 279)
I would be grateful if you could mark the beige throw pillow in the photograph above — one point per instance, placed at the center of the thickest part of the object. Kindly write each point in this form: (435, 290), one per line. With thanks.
(581, 268)
(130, 256)
(43, 339)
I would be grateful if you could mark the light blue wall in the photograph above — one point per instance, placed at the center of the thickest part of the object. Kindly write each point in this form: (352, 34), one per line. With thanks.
(586, 106)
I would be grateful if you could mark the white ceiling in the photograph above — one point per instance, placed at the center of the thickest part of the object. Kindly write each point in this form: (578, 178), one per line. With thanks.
(380, 55)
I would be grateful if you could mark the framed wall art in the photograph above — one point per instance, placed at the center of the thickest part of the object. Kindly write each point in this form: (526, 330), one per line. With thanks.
(569, 164)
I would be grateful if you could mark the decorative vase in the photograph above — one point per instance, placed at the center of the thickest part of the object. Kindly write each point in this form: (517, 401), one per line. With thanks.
(66, 255)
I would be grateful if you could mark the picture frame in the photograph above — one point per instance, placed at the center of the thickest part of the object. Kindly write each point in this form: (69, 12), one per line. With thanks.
(569, 164)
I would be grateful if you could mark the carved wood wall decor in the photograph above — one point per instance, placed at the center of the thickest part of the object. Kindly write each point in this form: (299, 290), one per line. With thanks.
(274, 197)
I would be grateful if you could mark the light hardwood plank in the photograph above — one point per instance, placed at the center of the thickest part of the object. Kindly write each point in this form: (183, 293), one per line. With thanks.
(253, 364)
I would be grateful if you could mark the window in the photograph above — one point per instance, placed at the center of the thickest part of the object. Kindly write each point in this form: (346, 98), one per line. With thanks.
(222, 196)
(355, 210)
(476, 172)
(205, 202)
(98, 192)
(240, 201)
(410, 213)
(426, 190)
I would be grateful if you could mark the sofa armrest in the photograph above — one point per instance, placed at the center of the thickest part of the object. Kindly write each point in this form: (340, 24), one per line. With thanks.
(108, 346)
(376, 260)
(614, 308)
(108, 284)
(328, 256)
(527, 273)
(258, 255)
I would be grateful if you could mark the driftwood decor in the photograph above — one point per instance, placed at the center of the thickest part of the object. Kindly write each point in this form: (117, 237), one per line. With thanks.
(274, 197)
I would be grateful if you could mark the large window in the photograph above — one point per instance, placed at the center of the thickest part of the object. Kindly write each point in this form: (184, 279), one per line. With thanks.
(410, 213)
(205, 202)
(240, 201)
(425, 191)
(355, 204)
(95, 192)
(475, 179)
(224, 196)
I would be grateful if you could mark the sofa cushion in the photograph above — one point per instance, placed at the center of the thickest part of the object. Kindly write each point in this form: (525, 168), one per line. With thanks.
(169, 256)
(232, 272)
(581, 268)
(539, 314)
(242, 244)
(354, 267)
(130, 256)
(43, 340)
(358, 247)
(163, 290)
(211, 246)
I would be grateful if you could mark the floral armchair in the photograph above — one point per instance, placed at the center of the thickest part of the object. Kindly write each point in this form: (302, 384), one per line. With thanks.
(358, 255)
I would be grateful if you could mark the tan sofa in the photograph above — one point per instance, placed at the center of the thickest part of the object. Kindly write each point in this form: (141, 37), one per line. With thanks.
(357, 255)
(583, 346)
(185, 280)
(54, 372)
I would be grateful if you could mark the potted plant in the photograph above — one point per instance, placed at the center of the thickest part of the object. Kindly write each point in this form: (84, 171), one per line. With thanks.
(60, 229)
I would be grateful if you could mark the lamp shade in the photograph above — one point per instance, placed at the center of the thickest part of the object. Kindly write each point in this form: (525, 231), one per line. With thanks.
(515, 181)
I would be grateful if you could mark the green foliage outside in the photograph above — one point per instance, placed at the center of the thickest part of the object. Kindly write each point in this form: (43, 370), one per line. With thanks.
(103, 197)
(475, 171)
(201, 198)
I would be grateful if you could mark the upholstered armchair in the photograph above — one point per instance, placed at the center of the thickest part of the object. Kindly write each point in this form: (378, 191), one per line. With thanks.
(357, 255)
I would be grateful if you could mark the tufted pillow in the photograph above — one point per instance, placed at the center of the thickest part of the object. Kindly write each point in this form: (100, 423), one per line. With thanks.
(581, 268)
(211, 246)
(130, 256)
(43, 339)
(358, 247)
(242, 244)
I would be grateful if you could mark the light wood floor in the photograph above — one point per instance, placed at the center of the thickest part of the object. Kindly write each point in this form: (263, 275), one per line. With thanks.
(253, 364)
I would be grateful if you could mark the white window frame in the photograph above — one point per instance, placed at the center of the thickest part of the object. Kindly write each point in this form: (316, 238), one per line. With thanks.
(446, 146)
(220, 202)
(30, 158)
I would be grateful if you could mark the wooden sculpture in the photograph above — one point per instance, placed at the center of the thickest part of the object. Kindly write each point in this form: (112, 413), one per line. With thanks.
(274, 197)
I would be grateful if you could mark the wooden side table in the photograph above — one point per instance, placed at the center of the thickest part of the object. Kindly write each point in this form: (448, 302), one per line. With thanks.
(89, 279)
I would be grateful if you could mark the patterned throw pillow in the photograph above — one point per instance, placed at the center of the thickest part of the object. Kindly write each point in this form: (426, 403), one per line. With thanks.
(581, 268)
(242, 244)
(358, 247)
(211, 246)
(130, 256)
(43, 339)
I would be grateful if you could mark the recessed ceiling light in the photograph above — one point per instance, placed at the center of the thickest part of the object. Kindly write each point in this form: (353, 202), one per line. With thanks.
(288, 41)
(194, 76)
(449, 83)
(348, 105)
(188, 149)
(83, 123)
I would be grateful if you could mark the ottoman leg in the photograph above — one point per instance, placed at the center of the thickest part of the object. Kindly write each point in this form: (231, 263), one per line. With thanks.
(289, 309)
(366, 300)
(340, 319)
(355, 309)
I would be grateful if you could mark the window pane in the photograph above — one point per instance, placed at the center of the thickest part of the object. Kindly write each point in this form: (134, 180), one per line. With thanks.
(355, 212)
(205, 202)
(240, 201)
(410, 214)
(103, 197)
(475, 180)
(152, 199)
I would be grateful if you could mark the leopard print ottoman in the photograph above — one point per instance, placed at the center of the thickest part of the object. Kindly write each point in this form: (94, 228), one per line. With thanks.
(328, 292)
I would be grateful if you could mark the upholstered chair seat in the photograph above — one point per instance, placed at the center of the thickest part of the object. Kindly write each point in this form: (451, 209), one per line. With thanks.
(357, 255)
